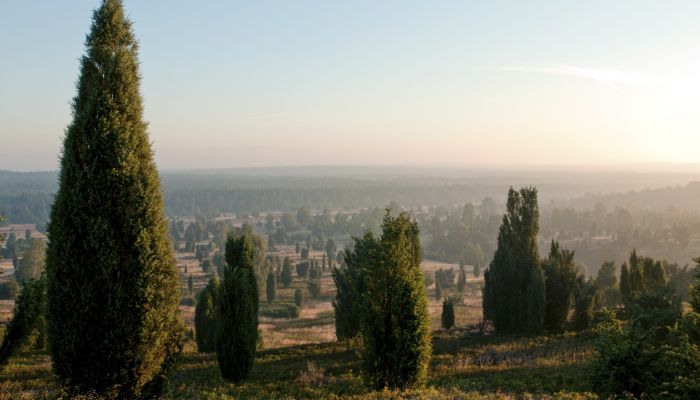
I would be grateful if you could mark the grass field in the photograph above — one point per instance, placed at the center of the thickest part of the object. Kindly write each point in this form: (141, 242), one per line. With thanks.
(463, 366)
(301, 358)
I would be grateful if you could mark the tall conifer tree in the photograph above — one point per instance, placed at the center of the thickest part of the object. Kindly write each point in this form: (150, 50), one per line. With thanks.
(350, 284)
(562, 275)
(237, 323)
(395, 322)
(205, 316)
(113, 289)
(514, 284)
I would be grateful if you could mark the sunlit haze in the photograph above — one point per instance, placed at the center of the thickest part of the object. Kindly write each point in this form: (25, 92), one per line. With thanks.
(268, 83)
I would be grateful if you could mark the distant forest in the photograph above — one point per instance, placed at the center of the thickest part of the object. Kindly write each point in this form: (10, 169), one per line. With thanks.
(26, 197)
(663, 222)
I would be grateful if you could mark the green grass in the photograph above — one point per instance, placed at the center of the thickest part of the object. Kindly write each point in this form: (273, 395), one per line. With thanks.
(463, 367)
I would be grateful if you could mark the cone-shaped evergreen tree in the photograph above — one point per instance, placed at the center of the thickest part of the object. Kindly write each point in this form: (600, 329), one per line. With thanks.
(28, 318)
(561, 273)
(349, 281)
(462, 280)
(237, 323)
(112, 288)
(271, 287)
(514, 285)
(286, 274)
(395, 322)
(205, 316)
(447, 318)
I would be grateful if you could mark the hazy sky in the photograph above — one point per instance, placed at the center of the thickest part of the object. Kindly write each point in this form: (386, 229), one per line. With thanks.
(231, 83)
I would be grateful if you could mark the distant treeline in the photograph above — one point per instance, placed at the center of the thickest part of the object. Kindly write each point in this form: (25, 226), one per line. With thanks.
(27, 197)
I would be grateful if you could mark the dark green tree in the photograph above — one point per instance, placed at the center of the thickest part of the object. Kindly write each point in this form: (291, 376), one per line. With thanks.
(561, 274)
(395, 322)
(303, 268)
(641, 275)
(584, 304)
(28, 319)
(607, 275)
(237, 322)
(286, 274)
(694, 291)
(331, 250)
(349, 281)
(314, 287)
(112, 284)
(625, 280)
(447, 318)
(536, 300)
(31, 266)
(206, 265)
(653, 353)
(462, 280)
(205, 316)
(298, 297)
(512, 298)
(271, 287)
(190, 284)
(200, 253)
(606, 283)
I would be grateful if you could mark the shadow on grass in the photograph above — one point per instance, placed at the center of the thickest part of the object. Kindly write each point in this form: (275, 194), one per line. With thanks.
(275, 372)
(532, 379)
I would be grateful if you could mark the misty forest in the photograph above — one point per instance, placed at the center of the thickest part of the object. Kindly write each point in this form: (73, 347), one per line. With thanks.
(121, 280)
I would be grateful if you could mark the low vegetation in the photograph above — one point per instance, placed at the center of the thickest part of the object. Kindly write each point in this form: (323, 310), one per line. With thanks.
(464, 366)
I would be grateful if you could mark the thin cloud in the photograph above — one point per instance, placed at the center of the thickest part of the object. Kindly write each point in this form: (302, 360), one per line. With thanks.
(611, 77)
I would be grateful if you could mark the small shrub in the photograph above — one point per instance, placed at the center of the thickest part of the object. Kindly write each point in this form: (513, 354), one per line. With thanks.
(271, 287)
(286, 274)
(311, 376)
(298, 298)
(303, 269)
(205, 316)
(448, 313)
(314, 287)
(206, 265)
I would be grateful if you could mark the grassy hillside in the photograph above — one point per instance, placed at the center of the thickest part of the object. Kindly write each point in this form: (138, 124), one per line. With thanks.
(464, 366)
(301, 358)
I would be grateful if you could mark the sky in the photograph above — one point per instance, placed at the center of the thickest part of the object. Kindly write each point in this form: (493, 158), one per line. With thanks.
(392, 82)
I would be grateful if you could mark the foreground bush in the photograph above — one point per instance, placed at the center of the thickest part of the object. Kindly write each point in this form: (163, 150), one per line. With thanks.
(205, 317)
(237, 311)
(28, 320)
(395, 322)
(654, 353)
